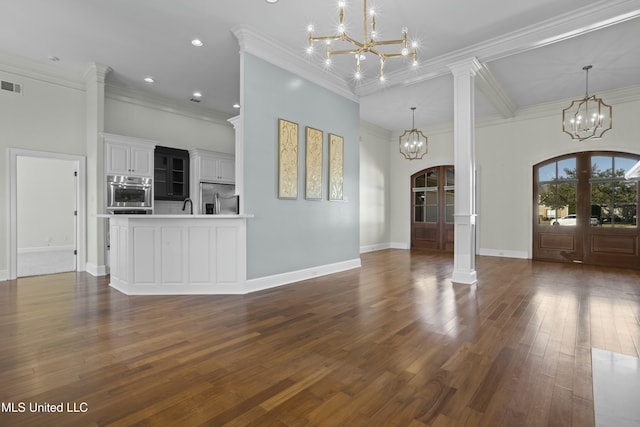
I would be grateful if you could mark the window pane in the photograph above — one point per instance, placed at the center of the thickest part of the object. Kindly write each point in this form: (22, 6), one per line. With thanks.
(451, 177)
(432, 179)
(432, 197)
(419, 214)
(556, 201)
(625, 209)
(449, 206)
(567, 169)
(418, 198)
(623, 164)
(419, 181)
(602, 167)
(547, 172)
(432, 214)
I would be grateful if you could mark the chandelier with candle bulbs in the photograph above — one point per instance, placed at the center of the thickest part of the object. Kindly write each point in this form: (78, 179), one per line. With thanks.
(588, 117)
(369, 43)
(413, 143)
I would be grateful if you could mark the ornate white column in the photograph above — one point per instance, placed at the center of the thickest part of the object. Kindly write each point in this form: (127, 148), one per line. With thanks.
(237, 123)
(464, 262)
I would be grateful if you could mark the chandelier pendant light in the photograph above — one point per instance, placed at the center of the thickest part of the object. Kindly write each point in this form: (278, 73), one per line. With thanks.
(588, 117)
(412, 143)
(369, 43)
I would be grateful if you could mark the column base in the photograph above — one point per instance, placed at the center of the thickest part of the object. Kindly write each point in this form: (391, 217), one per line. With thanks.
(465, 277)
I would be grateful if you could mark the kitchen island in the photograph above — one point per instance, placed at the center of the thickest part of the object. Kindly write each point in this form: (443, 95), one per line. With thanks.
(178, 254)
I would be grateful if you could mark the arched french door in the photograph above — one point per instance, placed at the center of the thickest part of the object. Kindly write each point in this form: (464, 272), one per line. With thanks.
(586, 211)
(432, 208)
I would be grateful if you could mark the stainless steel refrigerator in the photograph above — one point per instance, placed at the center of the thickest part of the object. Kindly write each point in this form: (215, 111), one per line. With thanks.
(218, 199)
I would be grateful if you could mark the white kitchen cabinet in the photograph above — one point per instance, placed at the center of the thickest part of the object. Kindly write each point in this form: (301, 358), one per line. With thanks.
(128, 156)
(210, 166)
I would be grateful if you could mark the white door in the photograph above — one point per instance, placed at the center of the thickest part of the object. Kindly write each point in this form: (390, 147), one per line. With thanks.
(46, 215)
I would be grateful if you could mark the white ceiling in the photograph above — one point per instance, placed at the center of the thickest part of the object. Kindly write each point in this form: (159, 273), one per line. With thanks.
(533, 51)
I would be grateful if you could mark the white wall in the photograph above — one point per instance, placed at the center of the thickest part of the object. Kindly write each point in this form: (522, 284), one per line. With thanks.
(374, 187)
(506, 152)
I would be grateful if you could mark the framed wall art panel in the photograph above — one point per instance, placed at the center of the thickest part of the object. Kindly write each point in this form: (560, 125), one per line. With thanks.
(313, 164)
(287, 159)
(336, 167)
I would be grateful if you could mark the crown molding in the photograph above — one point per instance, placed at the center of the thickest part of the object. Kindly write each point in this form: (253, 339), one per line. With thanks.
(273, 52)
(581, 21)
(40, 71)
(494, 93)
(149, 100)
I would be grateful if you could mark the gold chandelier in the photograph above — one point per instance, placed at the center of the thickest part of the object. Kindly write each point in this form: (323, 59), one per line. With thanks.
(588, 117)
(412, 143)
(369, 43)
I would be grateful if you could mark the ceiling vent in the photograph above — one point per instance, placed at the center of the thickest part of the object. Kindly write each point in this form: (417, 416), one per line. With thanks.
(11, 87)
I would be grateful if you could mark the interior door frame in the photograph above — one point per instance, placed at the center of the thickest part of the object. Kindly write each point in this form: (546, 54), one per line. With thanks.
(12, 206)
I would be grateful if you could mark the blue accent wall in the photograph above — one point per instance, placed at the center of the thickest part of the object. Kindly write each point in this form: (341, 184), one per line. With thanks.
(291, 235)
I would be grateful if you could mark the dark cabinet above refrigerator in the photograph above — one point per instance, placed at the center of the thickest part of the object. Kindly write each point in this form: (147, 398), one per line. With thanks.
(171, 174)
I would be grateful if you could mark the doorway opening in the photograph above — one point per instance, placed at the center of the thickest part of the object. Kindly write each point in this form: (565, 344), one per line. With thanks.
(585, 211)
(432, 208)
(46, 213)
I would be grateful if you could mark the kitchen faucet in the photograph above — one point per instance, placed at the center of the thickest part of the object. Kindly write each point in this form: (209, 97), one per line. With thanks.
(184, 205)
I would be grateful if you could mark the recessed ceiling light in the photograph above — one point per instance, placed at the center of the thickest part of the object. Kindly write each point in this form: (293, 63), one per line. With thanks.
(236, 105)
(149, 79)
(272, 1)
(197, 42)
(197, 94)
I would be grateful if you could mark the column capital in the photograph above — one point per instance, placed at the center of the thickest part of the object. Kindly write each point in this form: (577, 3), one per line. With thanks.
(465, 67)
(96, 73)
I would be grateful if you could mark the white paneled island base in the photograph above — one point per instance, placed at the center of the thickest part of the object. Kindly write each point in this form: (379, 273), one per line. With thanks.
(178, 254)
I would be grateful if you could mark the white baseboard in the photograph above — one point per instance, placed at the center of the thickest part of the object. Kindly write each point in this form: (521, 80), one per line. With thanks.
(268, 282)
(96, 270)
(504, 253)
(4, 275)
(398, 245)
(373, 248)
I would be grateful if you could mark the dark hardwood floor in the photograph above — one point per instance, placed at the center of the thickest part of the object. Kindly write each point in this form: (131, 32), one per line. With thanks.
(391, 344)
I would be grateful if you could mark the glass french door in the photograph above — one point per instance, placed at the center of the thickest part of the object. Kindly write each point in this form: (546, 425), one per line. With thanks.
(586, 211)
(432, 208)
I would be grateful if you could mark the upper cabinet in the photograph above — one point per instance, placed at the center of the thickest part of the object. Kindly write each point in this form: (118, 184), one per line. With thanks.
(171, 174)
(210, 166)
(128, 156)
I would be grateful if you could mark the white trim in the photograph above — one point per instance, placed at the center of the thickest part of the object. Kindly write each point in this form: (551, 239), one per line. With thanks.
(584, 20)
(23, 67)
(268, 282)
(465, 277)
(240, 288)
(400, 245)
(273, 52)
(4, 275)
(36, 249)
(504, 253)
(96, 270)
(149, 100)
(373, 248)
(12, 214)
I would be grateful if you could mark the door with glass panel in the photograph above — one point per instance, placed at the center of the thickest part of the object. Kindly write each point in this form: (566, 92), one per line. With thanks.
(585, 210)
(432, 207)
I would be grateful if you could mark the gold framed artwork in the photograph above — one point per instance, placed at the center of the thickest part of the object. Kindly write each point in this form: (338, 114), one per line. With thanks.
(287, 159)
(313, 164)
(336, 167)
